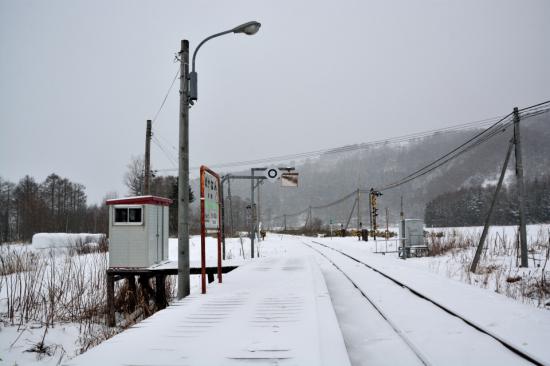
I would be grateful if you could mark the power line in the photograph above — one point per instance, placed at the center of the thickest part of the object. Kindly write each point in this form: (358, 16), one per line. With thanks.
(170, 157)
(166, 96)
(547, 103)
(416, 174)
(459, 150)
(348, 148)
(496, 128)
(339, 200)
(165, 140)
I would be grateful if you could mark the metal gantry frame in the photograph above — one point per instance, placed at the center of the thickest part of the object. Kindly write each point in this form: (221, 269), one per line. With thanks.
(252, 177)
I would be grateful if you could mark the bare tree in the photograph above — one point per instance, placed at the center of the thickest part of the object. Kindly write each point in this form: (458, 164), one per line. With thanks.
(133, 179)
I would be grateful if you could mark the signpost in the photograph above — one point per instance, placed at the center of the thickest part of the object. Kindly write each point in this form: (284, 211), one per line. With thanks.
(289, 179)
(272, 174)
(210, 218)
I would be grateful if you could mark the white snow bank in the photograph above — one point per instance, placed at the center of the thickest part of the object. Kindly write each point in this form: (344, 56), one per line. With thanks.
(61, 240)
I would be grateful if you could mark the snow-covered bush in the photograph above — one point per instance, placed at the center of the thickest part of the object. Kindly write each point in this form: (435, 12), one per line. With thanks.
(64, 240)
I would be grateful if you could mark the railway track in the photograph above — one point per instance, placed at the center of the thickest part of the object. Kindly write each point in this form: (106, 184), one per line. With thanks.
(383, 292)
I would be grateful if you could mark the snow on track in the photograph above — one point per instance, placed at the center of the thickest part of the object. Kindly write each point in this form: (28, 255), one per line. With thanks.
(432, 333)
(519, 325)
(369, 338)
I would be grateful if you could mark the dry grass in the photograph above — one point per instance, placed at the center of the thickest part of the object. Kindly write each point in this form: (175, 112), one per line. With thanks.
(86, 246)
(52, 287)
(499, 266)
(57, 286)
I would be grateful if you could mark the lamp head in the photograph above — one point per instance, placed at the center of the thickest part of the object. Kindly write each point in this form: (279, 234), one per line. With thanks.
(249, 28)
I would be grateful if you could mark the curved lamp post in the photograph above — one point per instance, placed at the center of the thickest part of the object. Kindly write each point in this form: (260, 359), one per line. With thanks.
(188, 94)
(249, 28)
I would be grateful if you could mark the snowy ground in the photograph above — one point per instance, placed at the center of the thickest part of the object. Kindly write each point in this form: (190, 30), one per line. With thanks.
(66, 338)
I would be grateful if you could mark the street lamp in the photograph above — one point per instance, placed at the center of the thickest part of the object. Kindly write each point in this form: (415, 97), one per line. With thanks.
(188, 94)
(249, 28)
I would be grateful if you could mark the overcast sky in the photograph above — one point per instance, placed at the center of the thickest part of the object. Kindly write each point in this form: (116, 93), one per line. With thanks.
(79, 79)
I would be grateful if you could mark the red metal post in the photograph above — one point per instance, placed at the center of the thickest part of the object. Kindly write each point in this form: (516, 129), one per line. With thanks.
(203, 236)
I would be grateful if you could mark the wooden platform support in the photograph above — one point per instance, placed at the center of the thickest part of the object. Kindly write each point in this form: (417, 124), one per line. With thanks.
(144, 276)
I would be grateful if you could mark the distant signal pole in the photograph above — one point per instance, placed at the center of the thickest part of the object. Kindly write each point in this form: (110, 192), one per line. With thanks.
(147, 168)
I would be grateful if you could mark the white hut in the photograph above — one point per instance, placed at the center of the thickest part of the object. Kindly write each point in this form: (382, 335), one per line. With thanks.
(138, 231)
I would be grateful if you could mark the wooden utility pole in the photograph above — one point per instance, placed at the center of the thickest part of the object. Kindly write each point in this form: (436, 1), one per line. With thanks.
(521, 190)
(147, 173)
(183, 176)
(479, 249)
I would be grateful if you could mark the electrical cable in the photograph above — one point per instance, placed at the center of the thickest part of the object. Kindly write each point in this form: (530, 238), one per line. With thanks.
(166, 96)
(456, 150)
(348, 148)
(171, 159)
(496, 128)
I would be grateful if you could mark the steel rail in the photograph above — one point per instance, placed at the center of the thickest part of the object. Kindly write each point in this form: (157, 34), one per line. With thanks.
(479, 328)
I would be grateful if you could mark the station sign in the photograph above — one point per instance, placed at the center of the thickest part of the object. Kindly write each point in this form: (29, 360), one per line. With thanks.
(211, 201)
(210, 218)
(289, 179)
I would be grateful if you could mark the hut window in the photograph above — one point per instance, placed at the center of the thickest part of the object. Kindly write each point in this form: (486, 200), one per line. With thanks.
(128, 215)
(134, 215)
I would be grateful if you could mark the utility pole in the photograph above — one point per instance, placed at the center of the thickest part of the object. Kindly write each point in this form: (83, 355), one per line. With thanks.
(147, 175)
(402, 214)
(387, 223)
(358, 209)
(284, 216)
(521, 190)
(8, 215)
(259, 213)
(230, 206)
(402, 231)
(479, 249)
(252, 223)
(183, 177)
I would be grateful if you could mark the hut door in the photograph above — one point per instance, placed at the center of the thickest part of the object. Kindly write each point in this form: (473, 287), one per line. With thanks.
(161, 242)
(159, 230)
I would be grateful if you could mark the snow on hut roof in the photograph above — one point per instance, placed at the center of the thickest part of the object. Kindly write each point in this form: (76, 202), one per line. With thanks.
(140, 200)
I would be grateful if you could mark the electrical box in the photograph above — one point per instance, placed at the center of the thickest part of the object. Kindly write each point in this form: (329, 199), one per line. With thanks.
(412, 230)
(138, 231)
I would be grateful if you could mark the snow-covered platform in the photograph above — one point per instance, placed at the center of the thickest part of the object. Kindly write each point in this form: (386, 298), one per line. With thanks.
(273, 310)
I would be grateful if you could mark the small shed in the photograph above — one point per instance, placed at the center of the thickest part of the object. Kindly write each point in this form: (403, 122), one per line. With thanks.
(412, 230)
(138, 231)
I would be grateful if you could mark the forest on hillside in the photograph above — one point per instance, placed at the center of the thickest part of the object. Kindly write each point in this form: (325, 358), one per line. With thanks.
(334, 175)
(469, 206)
